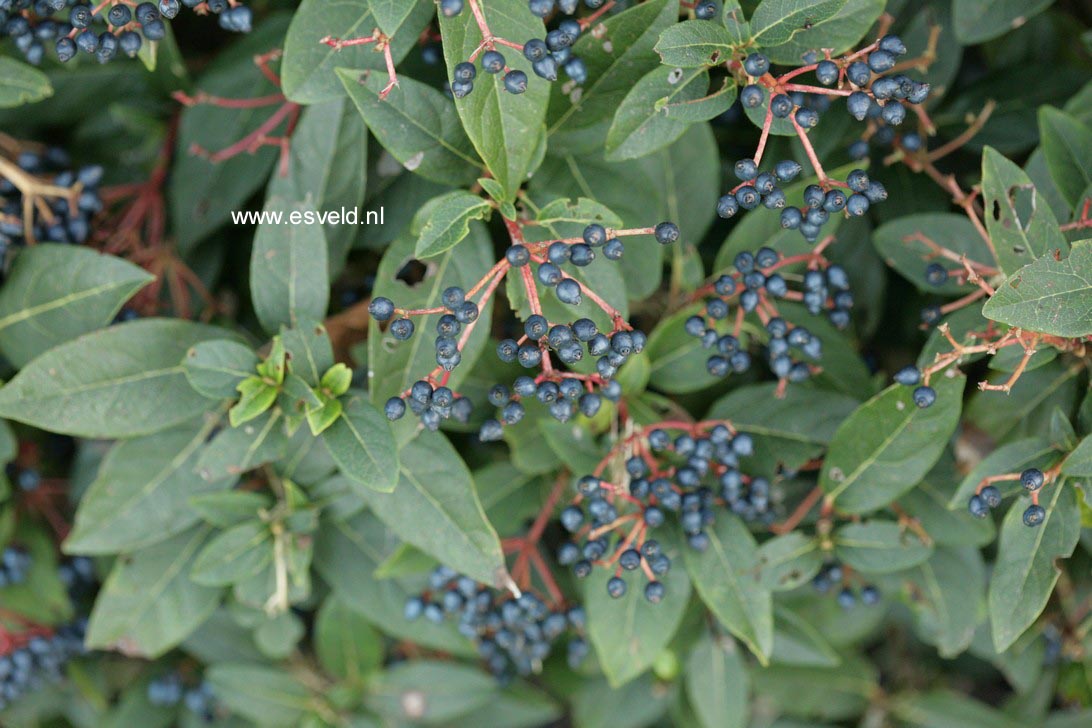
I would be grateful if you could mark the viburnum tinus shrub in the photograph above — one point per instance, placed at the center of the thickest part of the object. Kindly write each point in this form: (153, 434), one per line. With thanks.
(545, 362)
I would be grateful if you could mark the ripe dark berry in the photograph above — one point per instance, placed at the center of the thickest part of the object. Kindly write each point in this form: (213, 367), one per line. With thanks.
(614, 249)
(535, 50)
(451, 8)
(541, 8)
(746, 169)
(667, 233)
(807, 118)
(395, 408)
(493, 62)
(857, 204)
(752, 96)
(464, 72)
(727, 206)
(654, 592)
(893, 113)
(1032, 479)
(595, 235)
(452, 297)
(991, 496)
(119, 15)
(616, 587)
(936, 274)
(568, 291)
(381, 309)
(515, 82)
(490, 431)
(781, 106)
(858, 104)
(846, 598)
(892, 44)
(827, 72)
(706, 10)
(756, 64)
(924, 396)
(908, 376)
(518, 255)
(880, 61)
(977, 507)
(1034, 515)
(402, 329)
(545, 68)
(857, 180)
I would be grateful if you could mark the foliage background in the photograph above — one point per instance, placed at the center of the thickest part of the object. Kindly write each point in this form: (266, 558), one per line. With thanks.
(960, 637)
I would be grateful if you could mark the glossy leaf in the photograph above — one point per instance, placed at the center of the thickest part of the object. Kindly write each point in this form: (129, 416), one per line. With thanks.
(1048, 296)
(361, 443)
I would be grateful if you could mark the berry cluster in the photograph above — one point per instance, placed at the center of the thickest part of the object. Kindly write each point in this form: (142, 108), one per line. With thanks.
(122, 26)
(833, 575)
(167, 691)
(512, 634)
(988, 497)
(753, 288)
(60, 200)
(431, 404)
(547, 55)
(564, 392)
(690, 475)
(859, 77)
(910, 376)
(760, 188)
(37, 657)
(14, 564)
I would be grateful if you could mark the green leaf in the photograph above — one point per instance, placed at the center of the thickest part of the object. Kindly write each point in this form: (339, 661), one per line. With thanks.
(21, 83)
(429, 692)
(775, 22)
(789, 430)
(879, 547)
(1020, 223)
(230, 508)
(1049, 296)
(505, 128)
(788, 561)
(267, 695)
(444, 221)
(694, 44)
(881, 450)
(616, 55)
(436, 508)
(947, 709)
(289, 281)
(390, 14)
(947, 595)
(123, 381)
(1078, 464)
(328, 164)
(717, 683)
(237, 450)
(797, 642)
(981, 20)
(55, 293)
(256, 397)
(678, 359)
(310, 352)
(1067, 146)
(234, 555)
(307, 70)
(838, 32)
(347, 555)
(149, 603)
(1026, 569)
(216, 368)
(629, 633)
(706, 107)
(815, 693)
(415, 124)
(641, 125)
(347, 646)
(726, 576)
(897, 241)
(141, 494)
(362, 445)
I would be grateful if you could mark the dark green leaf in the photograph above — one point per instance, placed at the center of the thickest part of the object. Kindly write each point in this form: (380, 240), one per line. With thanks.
(788, 561)
(237, 450)
(879, 547)
(429, 691)
(149, 603)
(694, 44)
(444, 221)
(981, 20)
(436, 508)
(55, 293)
(1049, 296)
(776, 22)
(215, 368)
(141, 494)
(726, 577)
(838, 32)
(415, 124)
(269, 696)
(1026, 569)
(345, 642)
(641, 125)
(122, 381)
(717, 683)
(21, 84)
(888, 444)
(898, 242)
(505, 128)
(946, 709)
(234, 555)
(361, 443)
